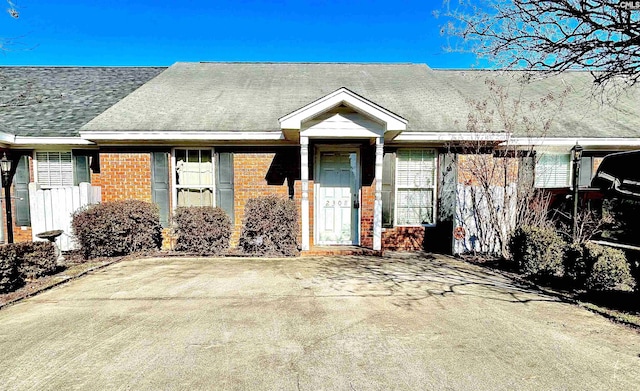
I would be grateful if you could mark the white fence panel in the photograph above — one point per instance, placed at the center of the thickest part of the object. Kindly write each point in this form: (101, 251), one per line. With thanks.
(472, 214)
(52, 209)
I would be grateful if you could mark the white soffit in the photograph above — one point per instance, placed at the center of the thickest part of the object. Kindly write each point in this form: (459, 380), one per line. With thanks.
(570, 141)
(6, 138)
(24, 140)
(452, 136)
(392, 121)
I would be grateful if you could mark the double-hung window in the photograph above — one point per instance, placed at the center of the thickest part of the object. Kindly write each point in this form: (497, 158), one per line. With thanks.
(415, 186)
(553, 170)
(54, 169)
(194, 177)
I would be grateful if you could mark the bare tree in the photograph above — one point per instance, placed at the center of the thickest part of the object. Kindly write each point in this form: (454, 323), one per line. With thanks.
(7, 43)
(13, 10)
(550, 35)
(496, 190)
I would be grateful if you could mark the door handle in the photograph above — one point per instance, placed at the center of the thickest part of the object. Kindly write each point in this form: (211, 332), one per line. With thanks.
(356, 204)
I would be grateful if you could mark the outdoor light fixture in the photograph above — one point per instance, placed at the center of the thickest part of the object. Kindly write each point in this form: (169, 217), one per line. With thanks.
(577, 152)
(577, 157)
(5, 167)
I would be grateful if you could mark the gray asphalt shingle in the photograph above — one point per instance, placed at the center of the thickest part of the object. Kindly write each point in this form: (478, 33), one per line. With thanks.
(57, 101)
(252, 96)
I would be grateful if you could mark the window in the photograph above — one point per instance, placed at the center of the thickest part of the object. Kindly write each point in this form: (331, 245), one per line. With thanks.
(54, 169)
(194, 177)
(553, 170)
(415, 186)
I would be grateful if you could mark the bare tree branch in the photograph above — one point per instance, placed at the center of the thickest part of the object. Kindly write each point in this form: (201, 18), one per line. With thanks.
(552, 36)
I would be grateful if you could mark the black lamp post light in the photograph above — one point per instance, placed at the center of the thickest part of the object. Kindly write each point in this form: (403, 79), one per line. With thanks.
(577, 157)
(5, 167)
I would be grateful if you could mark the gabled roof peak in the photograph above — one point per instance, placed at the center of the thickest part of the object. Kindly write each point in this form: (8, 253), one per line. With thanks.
(343, 95)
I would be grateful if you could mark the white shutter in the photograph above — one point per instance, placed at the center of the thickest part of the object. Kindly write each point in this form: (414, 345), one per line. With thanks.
(553, 170)
(54, 169)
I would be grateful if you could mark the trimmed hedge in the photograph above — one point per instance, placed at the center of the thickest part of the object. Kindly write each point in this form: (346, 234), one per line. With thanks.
(609, 268)
(117, 228)
(10, 278)
(270, 227)
(538, 251)
(202, 229)
(37, 259)
(28, 260)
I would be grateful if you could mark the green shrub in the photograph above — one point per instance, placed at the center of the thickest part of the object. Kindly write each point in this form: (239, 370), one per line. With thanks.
(27, 260)
(609, 268)
(117, 228)
(202, 230)
(538, 251)
(10, 278)
(37, 259)
(575, 264)
(270, 227)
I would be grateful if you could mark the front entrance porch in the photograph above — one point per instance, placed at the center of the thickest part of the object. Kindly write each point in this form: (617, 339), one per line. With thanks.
(339, 117)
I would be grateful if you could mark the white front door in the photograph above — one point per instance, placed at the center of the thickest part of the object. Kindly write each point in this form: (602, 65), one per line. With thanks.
(337, 198)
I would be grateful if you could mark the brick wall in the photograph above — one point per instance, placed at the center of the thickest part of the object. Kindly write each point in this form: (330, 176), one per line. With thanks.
(477, 169)
(124, 176)
(249, 176)
(403, 238)
(367, 203)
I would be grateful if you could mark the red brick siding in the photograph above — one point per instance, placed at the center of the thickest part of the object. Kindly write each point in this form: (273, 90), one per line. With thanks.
(366, 215)
(477, 169)
(124, 176)
(249, 176)
(403, 238)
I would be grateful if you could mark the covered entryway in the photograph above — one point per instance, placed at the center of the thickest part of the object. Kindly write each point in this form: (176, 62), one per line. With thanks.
(337, 197)
(337, 117)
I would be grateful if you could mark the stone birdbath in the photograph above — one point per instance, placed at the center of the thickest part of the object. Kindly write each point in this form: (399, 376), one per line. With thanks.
(52, 236)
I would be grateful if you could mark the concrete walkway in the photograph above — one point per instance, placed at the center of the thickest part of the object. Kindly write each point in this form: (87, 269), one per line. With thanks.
(405, 322)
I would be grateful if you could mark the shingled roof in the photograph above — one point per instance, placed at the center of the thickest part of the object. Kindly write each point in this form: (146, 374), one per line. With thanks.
(252, 96)
(57, 101)
(245, 97)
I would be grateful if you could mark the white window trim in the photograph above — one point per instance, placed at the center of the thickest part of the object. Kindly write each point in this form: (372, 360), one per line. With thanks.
(570, 176)
(435, 189)
(174, 182)
(35, 167)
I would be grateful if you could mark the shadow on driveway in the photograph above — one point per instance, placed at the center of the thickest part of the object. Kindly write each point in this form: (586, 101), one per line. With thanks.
(412, 277)
(402, 321)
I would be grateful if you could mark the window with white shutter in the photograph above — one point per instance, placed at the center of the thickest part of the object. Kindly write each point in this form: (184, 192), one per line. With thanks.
(54, 169)
(553, 170)
(194, 177)
(415, 186)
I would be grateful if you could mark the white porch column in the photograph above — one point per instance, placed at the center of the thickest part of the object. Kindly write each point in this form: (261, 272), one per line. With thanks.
(377, 206)
(304, 178)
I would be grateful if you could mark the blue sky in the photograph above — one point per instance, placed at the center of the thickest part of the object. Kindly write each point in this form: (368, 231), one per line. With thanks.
(145, 32)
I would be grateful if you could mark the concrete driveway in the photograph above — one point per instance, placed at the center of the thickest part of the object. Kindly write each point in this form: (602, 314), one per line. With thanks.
(353, 323)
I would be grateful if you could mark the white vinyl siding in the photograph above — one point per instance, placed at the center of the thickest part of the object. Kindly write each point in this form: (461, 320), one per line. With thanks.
(54, 169)
(553, 171)
(194, 177)
(415, 186)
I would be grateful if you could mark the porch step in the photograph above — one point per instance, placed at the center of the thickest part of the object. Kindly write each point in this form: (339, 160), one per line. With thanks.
(339, 250)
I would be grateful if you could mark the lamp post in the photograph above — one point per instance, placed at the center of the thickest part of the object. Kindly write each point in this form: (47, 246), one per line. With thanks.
(5, 167)
(577, 157)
